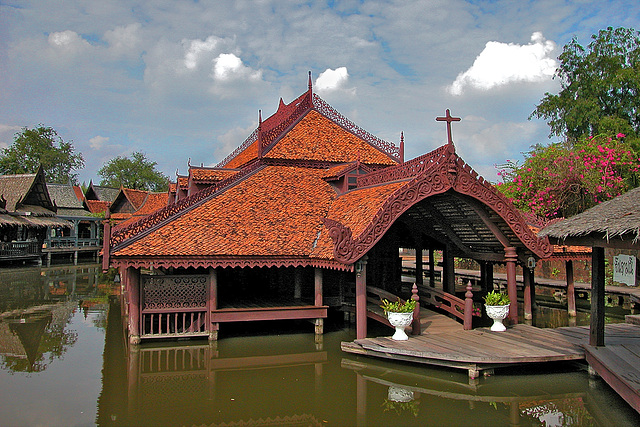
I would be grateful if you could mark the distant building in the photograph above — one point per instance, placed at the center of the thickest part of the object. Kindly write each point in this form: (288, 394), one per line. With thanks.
(83, 238)
(26, 213)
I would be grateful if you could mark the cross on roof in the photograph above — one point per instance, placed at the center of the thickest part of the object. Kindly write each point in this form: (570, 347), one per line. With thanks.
(448, 118)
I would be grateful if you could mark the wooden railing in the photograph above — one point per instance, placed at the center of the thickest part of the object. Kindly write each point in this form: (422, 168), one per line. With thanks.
(161, 323)
(71, 242)
(460, 308)
(20, 249)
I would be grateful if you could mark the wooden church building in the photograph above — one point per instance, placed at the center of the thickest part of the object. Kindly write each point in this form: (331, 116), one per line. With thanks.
(307, 211)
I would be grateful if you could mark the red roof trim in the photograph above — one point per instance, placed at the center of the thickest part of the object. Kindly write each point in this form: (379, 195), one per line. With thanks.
(450, 172)
(227, 262)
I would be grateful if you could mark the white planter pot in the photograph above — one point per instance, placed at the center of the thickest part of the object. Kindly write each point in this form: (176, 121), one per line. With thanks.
(400, 321)
(498, 313)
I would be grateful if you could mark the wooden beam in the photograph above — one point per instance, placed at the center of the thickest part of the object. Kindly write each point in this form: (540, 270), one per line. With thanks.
(361, 298)
(511, 258)
(596, 330)
(571, 289)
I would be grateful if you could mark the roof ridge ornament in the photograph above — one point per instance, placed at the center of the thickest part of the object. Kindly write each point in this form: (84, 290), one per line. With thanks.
(448, 118)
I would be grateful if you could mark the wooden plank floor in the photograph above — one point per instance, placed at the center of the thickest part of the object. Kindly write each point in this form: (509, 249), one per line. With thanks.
(444, 343)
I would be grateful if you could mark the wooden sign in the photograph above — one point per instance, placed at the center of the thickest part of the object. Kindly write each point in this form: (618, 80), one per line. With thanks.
(624, 269)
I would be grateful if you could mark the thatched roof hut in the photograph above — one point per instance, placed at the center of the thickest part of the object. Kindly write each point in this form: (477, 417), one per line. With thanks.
(614, 223)
(611, 224)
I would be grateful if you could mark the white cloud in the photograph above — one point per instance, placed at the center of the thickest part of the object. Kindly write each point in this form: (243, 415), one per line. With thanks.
(197, 49)
(228, 66)
(68, 41)
(124, 40)
(332, 79)
(98, 142)
(501, 63)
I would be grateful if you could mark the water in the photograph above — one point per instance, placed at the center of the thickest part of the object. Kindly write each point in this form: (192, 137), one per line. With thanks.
(64, 362)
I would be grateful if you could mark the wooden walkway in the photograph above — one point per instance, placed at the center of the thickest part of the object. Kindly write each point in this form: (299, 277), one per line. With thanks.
(480, 351)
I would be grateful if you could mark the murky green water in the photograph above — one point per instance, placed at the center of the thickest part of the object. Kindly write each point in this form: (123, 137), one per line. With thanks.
(64, 362)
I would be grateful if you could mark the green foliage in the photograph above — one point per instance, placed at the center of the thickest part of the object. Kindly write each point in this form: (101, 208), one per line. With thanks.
(497, 298)
(42, 145)
(600, 87)
(136, 172)
(398, 306)
(563, 179)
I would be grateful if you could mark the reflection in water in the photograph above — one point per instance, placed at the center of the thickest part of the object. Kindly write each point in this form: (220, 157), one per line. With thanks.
(35, 308)
(259, 374)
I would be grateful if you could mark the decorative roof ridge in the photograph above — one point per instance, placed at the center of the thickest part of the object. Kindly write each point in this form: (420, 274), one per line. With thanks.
(408, 169)
(253, 137)
(388, 148)
(157, 219)
(214, 168)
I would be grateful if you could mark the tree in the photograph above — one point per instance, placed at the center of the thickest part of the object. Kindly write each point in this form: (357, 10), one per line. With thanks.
(136, 172)
(563, 179)
(42, 145)
(600, 88)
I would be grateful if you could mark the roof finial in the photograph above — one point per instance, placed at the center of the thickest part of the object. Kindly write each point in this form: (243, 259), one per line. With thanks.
(310, 83)
(448, 118)
(402, 147)
(259, 119)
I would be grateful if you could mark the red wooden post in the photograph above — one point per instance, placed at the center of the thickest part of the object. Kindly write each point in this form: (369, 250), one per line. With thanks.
(361, 298)
(511, 257)
(133, 280)
(596, 328)
(432, 268)
(526, 277)
(106, 240)
(419, 269)
(213, 304)
(416, 328)
(571, 290)
(468, 308)
(319, 322)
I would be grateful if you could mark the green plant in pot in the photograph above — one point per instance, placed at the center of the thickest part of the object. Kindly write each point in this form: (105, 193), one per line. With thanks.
(497, 298)
(497, 306)
(399, 314)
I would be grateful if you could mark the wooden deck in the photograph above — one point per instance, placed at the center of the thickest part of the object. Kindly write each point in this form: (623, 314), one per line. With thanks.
(444, 343)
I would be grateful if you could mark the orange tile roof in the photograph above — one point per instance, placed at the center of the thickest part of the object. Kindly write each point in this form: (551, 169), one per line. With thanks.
(79, 193)
(172, 187)
(152, 203)
(97, 206)
(339, 170)
(354, 209)
(183, 182)
(207, 175)
(244, 157)
(135, 197)
(277, 211)
(315, 137)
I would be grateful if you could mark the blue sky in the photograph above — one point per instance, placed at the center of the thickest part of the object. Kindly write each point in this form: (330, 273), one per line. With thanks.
(182, 80)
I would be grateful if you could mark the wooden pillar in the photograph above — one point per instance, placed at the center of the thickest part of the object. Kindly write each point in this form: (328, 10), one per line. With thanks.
(527, 277)
(596, 330)
(106, 240)
(319, 323)
(213, 304)
(449, 273)
(419, 269)
(468, 308)
(571, 289)
(133, 282)
(432, 268)
(361, 298)
(416, 328)
(511, 257)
